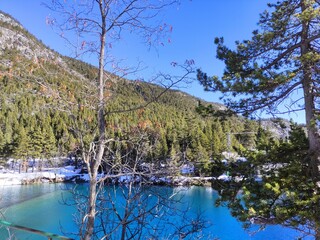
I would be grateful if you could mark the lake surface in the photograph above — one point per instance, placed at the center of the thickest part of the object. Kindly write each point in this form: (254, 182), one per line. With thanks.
(41, 207)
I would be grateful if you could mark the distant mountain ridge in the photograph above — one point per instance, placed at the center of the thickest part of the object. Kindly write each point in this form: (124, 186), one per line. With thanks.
(14, 36)
(280, 128)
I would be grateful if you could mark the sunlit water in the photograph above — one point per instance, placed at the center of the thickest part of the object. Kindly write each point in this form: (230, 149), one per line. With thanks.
(41, 207)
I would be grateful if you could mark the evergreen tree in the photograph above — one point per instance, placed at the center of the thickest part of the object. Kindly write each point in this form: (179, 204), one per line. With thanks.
(175, 156)
(37, 141)
(2, 141)
(218, 140)
(21, 147)
(49, 148)
(284, 195)
(265, 139)
(161, 146)
(248, 137)
(280, 59)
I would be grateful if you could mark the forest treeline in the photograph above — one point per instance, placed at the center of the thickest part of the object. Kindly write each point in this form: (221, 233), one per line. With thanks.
(33, 126)
(43, 109)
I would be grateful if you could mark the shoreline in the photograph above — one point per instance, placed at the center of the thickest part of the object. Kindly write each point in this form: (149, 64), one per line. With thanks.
(69, 174)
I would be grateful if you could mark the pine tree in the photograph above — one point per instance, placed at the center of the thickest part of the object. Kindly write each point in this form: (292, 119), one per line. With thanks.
(284, 196)
(280, 59)
(264, 139)
(248, 136)
(21, 147)
(49, 148)
(218, 142)
(2, 141)
(37, 141)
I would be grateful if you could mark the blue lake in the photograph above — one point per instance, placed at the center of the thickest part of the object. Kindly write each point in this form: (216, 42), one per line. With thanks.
(41, 207)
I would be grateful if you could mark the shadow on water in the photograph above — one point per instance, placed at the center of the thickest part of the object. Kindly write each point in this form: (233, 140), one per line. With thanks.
(34, 206)
(15, 194)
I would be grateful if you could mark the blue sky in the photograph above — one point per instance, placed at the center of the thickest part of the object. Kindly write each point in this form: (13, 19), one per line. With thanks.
(195, 25)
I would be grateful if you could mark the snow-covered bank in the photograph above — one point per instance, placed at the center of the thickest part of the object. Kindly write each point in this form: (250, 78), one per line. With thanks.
(8, 177)
(69, 173)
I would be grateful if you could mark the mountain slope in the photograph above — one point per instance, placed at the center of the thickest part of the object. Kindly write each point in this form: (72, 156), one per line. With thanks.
(47, 102)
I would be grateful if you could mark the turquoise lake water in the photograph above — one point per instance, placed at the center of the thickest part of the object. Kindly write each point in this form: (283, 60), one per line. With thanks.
(41, 207)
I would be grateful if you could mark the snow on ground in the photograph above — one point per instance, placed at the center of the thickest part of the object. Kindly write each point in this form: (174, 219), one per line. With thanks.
(69, 173)
(224, 177)
(9, 177)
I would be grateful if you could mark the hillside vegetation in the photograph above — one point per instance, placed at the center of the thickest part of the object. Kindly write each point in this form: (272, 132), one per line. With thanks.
(45, 102)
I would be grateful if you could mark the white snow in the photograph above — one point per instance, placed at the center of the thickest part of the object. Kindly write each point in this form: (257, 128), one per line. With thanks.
(224, 177)
(70, 173)
(15, 178)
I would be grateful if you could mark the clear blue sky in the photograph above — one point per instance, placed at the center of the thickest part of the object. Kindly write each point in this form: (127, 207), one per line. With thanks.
(195, 25)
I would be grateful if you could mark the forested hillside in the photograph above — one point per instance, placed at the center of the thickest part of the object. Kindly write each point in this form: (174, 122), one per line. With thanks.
(42, 109)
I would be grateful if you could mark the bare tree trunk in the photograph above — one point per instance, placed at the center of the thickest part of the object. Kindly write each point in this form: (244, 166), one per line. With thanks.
(109, 18)
(308, 89)
(123, 231)
(317, 233)
(96, 162)
(126, 213)
(313, 135)
(310, 111)
(91, 209)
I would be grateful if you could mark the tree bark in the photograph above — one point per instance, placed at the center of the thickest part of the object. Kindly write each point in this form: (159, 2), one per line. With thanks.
(91, 209)
(308, 90)
(123, 231)
(95, 162)
(317, 234)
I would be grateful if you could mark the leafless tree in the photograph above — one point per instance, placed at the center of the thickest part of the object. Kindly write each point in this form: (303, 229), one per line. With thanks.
(93, 26)
(135, 208)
